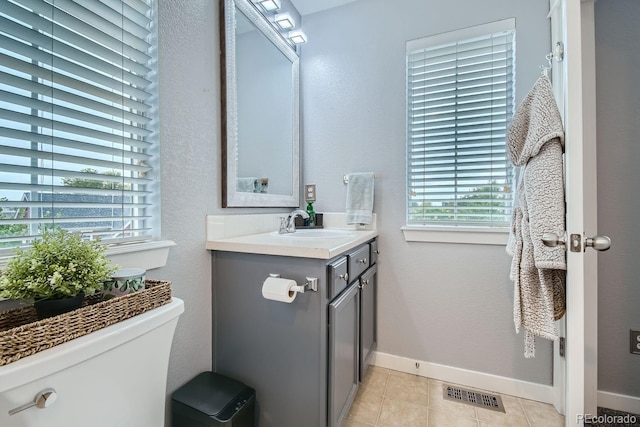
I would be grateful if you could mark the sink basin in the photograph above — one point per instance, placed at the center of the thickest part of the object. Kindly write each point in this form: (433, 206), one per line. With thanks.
(318, 233)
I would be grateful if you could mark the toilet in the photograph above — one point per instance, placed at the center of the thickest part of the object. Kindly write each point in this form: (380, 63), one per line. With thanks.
(114, 377)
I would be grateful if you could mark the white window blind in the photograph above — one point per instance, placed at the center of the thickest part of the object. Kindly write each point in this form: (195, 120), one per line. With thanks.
(77, 118)
(460, 97)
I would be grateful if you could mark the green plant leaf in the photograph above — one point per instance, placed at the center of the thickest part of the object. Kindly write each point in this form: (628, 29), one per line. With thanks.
(60, 264)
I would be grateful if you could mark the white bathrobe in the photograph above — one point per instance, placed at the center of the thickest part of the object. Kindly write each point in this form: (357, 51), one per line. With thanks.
(535, 143)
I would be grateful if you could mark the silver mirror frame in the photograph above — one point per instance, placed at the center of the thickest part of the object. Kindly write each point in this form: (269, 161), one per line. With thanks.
(230, 196)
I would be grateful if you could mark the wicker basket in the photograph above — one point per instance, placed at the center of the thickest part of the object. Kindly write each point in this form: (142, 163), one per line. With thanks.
(22, 334)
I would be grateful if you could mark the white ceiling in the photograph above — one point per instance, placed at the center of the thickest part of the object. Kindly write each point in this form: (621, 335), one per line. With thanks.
(306, 7)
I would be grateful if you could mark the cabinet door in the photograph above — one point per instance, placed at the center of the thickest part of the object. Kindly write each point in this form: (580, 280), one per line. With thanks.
(343, 353)
(368, 317)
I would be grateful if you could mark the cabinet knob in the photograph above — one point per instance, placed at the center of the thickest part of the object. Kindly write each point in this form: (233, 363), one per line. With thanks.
(365, 282)
(377, 252)
(345, 276)
(363, 261)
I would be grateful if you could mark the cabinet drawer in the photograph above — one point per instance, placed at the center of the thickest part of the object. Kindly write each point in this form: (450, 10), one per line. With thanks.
(374, 251)
(358, 261)
(338, 277)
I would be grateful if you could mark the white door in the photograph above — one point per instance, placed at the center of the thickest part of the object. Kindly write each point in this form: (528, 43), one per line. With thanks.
(576, 79)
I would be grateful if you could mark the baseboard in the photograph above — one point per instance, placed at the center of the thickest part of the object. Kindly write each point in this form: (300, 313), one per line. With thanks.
(495, 383)
(619, 402)
(489, 382)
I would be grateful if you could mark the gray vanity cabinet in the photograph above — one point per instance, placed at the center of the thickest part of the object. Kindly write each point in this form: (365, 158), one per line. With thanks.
(304, 359)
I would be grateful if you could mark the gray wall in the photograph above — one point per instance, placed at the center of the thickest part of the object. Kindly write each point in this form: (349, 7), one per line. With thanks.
(618, 115)
(189, 140)
(190, 132)
(444, 303)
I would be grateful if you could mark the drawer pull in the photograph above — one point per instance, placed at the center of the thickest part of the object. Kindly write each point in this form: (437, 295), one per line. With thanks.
(365, 282)
(363, 261)
(344, 276)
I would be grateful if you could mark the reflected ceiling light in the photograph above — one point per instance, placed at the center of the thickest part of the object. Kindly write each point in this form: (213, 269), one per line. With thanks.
(270, 5)
(285, 21)
(297, 36)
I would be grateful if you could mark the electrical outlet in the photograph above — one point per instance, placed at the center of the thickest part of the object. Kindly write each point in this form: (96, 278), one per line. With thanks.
(310, 192)
(635, 342)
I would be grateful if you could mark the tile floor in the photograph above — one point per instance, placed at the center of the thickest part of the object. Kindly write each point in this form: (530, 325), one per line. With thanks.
(390, 398)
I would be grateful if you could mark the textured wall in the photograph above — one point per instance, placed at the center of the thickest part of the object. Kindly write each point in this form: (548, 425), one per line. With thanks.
(443, 303)
(189, 79)
(618, 113)
(189, 138)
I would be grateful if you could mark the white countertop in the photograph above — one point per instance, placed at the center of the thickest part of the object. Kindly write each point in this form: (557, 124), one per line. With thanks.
(271, 244)
(223, 235)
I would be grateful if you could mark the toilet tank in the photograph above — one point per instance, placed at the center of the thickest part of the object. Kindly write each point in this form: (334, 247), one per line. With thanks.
(114, 377)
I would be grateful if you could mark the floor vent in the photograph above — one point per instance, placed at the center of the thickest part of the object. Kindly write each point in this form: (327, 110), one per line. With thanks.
(482, 400)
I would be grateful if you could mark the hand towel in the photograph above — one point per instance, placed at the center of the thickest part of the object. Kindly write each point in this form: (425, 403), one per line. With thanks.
(360, 198)
(247, 185)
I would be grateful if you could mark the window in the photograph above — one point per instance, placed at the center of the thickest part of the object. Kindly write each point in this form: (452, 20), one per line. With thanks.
(460, 97)
(77, 119)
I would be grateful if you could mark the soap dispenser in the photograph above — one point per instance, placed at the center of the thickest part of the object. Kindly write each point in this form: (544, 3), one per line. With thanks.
(310, 197)
(312, 214)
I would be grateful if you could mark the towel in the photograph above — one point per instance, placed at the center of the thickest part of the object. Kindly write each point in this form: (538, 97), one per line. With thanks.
(360, 198)
(247, 185)
(535, 142)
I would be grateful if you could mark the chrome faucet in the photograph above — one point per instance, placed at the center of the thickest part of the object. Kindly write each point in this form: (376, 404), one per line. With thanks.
(289, 225)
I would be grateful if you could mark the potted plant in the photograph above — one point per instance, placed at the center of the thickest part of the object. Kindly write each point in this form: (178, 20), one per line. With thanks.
(59, 269)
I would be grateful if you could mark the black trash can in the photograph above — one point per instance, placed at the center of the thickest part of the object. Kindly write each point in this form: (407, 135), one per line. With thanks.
(213, 400)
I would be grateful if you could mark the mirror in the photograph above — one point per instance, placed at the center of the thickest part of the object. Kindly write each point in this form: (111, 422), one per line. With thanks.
(260, 111)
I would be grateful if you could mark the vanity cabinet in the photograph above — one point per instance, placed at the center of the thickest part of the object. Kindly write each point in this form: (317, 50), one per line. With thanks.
(305, 358)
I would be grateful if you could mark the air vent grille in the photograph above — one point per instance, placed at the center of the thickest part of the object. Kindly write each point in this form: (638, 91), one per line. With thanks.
(482, 400)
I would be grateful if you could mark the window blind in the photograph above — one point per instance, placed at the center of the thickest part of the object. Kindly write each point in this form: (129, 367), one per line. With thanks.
(77, 118)
(460, 98)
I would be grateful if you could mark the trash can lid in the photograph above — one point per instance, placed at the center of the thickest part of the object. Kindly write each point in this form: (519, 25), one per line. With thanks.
(209, 393)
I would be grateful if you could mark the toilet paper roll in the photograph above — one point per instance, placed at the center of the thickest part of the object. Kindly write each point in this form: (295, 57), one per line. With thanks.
(277, 289)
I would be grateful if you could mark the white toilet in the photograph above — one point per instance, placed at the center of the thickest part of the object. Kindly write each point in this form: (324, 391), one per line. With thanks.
(114, 377)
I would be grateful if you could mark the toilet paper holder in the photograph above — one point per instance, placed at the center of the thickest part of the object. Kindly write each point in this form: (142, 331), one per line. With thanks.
(311, 284)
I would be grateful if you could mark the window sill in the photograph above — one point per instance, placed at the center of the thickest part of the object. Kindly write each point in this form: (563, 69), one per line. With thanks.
(146, 255)
(465, 235)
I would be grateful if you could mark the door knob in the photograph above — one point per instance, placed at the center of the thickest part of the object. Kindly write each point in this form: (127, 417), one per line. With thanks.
(552, 240)
(599, 243)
